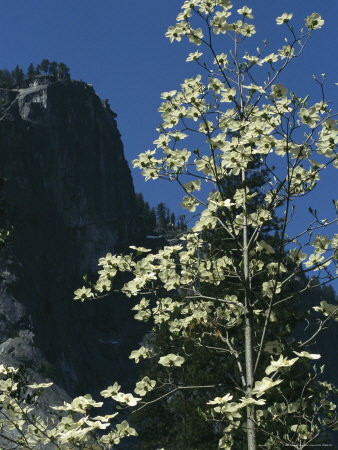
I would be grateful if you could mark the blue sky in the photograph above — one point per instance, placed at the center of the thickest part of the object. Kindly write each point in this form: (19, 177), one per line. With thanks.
(119, 47)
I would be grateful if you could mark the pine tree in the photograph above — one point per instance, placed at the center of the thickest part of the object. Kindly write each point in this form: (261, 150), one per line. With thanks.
(146, 219)
(18, 75)
(162, 215)
(53, 68)
(152, 220)
(2, 78)
(181, 223)
(31, 71)
(44, 65)
(172, 220)
(7, 79)
(63, 71)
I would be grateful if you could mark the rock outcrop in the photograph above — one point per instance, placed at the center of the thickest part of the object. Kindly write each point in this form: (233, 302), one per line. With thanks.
(70, 198)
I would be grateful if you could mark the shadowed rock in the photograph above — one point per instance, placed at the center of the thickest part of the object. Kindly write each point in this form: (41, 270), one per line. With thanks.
(70, 198)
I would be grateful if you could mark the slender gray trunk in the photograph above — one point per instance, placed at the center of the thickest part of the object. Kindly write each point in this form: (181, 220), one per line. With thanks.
(250, 425)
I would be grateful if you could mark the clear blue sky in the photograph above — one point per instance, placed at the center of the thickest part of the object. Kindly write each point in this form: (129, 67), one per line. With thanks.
(119, 47)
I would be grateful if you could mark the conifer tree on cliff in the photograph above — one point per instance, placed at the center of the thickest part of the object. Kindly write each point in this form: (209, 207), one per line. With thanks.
(30, 71)
(53, 68)
(229, 295)
(6, 78)
(44, 64)
(63, 71)
(18, 75)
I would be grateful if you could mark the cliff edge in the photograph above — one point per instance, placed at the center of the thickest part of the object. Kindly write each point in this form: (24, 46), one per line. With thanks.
(70, 198)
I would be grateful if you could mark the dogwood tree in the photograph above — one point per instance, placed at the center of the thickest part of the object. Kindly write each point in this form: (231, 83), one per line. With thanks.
(229, 294)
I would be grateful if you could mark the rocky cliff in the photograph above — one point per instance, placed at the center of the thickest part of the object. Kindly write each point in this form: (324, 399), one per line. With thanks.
(70, 198)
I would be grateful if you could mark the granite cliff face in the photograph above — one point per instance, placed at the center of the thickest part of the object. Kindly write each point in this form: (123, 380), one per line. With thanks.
(70, 198)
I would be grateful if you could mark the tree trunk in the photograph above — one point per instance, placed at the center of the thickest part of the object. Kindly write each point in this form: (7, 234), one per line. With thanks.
(250, 425)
